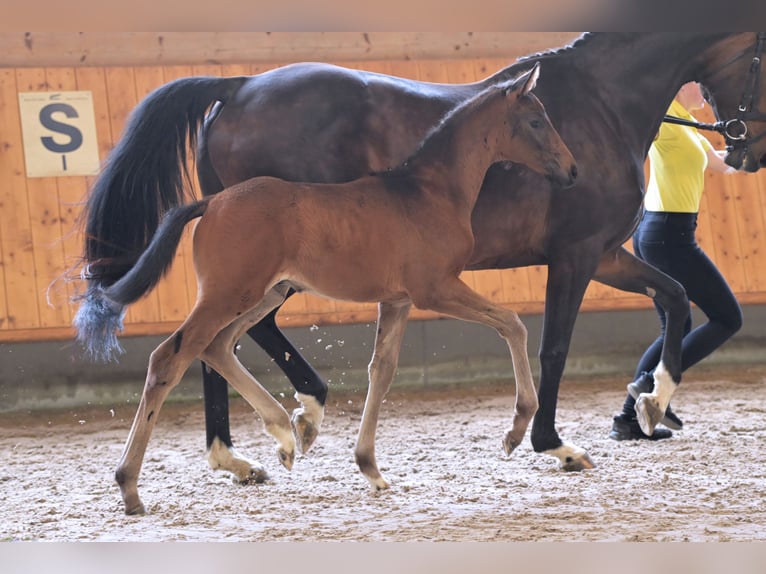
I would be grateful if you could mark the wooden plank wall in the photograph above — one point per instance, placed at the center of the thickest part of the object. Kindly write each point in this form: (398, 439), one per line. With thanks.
(39, 241)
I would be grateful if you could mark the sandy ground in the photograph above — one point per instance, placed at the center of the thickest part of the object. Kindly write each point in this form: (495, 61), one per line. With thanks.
(440, 450)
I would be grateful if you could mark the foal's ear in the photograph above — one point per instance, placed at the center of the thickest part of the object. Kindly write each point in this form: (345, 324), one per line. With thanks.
(531, 82)
(525, 83)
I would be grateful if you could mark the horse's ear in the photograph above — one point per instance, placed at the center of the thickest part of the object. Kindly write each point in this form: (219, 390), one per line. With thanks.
(525, 83)
(531, 82)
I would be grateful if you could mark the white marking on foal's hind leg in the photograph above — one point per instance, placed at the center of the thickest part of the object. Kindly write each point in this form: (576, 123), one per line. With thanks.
(220, 457)
(651, 407)
(285, 443)
(306, 420)
(572, 457)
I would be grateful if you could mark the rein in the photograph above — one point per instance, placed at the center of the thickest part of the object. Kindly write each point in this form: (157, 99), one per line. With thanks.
(735, 131)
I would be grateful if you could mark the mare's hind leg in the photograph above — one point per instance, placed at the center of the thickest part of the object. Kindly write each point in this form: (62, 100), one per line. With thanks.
(456, 299)
(220, 355)
(167, 364)
(221, 454)
(623, 270)
(392, 322)
(310, 388)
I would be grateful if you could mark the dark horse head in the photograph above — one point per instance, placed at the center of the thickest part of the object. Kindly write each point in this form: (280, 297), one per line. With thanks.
(742, 112)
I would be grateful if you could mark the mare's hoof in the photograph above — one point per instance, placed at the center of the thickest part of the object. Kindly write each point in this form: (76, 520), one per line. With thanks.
(578, 463)
(256, 475)
(305, 431)
(648, 413)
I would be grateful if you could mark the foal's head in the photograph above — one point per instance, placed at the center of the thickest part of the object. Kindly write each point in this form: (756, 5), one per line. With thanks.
(534, 140)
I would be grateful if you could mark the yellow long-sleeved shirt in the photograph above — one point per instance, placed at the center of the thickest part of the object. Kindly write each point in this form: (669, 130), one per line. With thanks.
(677, 162)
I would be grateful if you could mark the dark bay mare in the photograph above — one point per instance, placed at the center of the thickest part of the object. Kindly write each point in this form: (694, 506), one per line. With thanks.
(380, 238)
(606, 94)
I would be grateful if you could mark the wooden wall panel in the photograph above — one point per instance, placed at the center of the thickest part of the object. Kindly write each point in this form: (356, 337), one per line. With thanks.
(66, 203)
(20, 310)
(42, 197)
(39, 240)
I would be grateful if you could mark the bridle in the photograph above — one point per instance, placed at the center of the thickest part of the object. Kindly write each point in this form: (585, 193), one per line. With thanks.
(735, 131)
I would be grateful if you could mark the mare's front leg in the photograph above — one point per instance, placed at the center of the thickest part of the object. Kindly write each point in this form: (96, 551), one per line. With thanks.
(568, 278)
(167, 364)
(392, 323)
(623, 270)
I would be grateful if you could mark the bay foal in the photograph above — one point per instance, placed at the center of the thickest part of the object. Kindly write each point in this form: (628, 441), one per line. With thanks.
(399, 238)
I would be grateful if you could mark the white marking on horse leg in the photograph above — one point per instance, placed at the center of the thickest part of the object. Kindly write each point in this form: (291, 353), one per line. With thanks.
(220, 457)
(306, 420)
(651, 407)
(220, 356)
(571, 457)
(664, 386)
(378, 483)
(285, 442)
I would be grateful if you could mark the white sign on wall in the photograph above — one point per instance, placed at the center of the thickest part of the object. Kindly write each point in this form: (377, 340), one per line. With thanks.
(59, 133)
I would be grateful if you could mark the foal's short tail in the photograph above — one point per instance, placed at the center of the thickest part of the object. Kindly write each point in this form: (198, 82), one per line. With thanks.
(101, 311)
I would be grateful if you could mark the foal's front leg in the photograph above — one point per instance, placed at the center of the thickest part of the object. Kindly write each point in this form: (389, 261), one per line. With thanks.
(392, 322)
(455, 298)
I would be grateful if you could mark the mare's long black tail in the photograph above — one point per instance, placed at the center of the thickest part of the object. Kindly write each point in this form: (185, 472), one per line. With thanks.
(146, 174)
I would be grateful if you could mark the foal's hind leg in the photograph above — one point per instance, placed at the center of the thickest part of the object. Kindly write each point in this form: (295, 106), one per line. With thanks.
(392, 322)
(456, 299)
(220, 355)
(310, 391)
(167, 364)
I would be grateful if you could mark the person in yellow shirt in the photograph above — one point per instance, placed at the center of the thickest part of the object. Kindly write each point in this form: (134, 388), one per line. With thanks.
(665, 238)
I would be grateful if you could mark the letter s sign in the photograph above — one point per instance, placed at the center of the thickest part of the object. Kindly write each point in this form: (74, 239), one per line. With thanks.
(48, 121)
(59, 133)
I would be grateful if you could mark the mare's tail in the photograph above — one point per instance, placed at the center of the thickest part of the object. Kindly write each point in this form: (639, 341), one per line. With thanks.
(102, 309)
(145, 173)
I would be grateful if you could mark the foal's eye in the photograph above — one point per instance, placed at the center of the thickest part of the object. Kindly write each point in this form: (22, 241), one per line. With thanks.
(535, 124)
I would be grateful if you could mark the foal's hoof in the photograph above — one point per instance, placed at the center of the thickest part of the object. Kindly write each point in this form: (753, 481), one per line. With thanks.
(378, 484)
(649, 413)
(509, 443)
(305, 431)
(578, 463)
(286, 457)
(135, 510)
